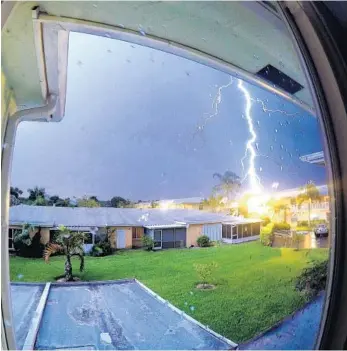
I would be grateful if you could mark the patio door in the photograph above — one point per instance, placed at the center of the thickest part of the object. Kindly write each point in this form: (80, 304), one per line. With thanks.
(158, 238)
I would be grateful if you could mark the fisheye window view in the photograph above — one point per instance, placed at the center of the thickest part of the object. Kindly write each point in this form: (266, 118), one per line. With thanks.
(175, 202)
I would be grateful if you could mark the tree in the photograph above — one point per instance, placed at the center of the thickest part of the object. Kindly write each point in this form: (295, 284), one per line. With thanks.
(36, 192)
(93, 198)
(87, 202)
(229, 184)
(279, 205)
(154, 204)
(16, 192)
(214, 202)
(119, 202)
(71, 243)
(309, 193)
(40, 201)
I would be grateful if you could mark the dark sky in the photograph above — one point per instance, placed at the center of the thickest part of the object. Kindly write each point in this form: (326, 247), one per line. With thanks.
(131, 129)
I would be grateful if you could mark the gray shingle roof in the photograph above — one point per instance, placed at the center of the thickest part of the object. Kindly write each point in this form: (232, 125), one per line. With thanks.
(106, 216)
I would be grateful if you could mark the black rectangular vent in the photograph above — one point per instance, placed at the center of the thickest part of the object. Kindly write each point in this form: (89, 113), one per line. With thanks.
(275, 76)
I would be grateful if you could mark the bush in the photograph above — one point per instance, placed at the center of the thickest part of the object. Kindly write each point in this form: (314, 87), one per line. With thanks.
(203, 241)
(281, 226)
(101, 249)
(205, 271)
(266, 220)
(302, 224)
(267, 235)
(147, 242)
(303, 229)
(27, 246)
(313, 279)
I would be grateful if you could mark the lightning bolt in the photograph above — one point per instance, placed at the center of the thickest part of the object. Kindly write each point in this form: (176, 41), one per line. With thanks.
(215, 107)
(265, 109)
(251, 174)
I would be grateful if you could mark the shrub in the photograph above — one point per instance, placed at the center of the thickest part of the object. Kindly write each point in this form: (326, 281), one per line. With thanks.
(147, 242)
(302, 224)
(266, 220)
(266, 235)
(101, 249)
(281, 226)
(313, 279)
(27, 246)
(303, 229)
(203, 241)
(205, 271)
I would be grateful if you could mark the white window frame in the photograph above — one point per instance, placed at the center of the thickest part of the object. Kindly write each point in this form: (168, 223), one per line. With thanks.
(10, 230)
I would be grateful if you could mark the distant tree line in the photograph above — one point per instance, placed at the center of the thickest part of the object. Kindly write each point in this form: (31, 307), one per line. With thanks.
(38, 197)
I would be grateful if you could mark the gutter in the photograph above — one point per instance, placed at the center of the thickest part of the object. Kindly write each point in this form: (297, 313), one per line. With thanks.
(43, 113)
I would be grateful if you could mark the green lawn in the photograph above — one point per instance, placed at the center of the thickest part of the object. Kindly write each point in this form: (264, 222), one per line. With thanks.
(255, 286)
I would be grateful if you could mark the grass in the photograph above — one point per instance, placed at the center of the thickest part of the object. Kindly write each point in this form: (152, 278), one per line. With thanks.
(255, 284)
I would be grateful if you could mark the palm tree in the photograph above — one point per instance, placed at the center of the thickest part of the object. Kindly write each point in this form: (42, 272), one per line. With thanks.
(309, 193)
(71, 243)
(229, 183)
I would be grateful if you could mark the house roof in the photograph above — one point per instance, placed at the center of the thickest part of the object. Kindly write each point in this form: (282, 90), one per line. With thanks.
(105, 216)
(186, 200)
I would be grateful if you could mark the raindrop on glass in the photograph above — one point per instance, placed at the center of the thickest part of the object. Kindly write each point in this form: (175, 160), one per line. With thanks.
(186, 303)
(107, 35)
(281, 64)
(271, 147)
(142, 32)
(7, 323)
(4, 146)
(191, 293)
(276, 130)
(20, 276)
(260, 169)
(256, 57)
(95, 5)
(121, 25)
(281, 146)
(258, 122)
(192, 308)
(257, 146)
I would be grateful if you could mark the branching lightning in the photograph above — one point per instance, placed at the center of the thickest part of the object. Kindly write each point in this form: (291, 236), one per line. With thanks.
(265, 109)
(251, 174)
(215, 107)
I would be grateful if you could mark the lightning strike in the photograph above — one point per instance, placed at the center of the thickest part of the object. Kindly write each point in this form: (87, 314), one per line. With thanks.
(251, 174)
(215, 107)
(265, 109)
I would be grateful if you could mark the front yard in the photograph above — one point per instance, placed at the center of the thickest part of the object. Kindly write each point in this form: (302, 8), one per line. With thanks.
(255, 284)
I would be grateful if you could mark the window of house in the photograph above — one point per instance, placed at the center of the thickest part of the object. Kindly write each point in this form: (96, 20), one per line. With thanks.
(137, 232)
(88, 238)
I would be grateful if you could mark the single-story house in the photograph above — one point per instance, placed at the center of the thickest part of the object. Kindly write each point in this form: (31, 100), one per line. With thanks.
(170, 228)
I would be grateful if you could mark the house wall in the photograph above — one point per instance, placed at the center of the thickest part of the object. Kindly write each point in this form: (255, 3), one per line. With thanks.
(193, 232)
